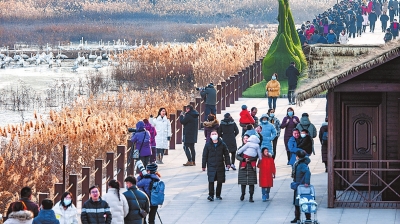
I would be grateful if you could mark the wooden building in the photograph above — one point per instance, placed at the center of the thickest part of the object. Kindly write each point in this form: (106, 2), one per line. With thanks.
(363, 107)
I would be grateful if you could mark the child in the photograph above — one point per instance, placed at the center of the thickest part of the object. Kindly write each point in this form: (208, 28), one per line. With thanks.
(266, 174)
(250, 149)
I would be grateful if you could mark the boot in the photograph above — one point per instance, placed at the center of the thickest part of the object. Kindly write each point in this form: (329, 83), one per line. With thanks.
(193, 163)
(242, 197)
(188, 163)
(251, 198)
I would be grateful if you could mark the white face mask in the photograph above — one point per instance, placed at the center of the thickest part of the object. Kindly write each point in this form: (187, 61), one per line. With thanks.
(67, 202)
(214, 137)
(303, 135)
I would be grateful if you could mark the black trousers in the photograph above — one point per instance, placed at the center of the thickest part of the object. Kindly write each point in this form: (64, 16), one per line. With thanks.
(190, 151)
(297, 213)
(290, 94)
(359, 30)
(211, 189)
(152, 214)
(384, 26)
(251, 189)
(372, 26)
(233, 157)
(274, 142)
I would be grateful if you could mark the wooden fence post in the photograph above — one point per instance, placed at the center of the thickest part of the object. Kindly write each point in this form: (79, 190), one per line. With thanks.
(43, 196)
(130, 162)
(198, 107)
(178, 128)
(58, 191)
(246, 79)
(219, 100)
(240, 83)
(98, 176)
(223, 90)
(236, 87)
(110, 167)
(251, 77)
(233, 90)
(121, 163)
(73, 186)
(85, 183)
(172, 119)
(227, 92)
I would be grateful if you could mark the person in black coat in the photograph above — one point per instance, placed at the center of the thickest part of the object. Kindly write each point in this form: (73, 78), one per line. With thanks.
(292, 73)
(215, 159)
(137, 200)
(372, 17)
(209, 94)
(228, 131)
(26, 197)
(360, 20)
(394, 28)
(95, 210)
(352, 26)
(190, 122)
(384, 20)
(305, 142)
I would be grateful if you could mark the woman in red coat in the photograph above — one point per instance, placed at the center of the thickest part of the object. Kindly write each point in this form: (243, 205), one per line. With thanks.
(266, 174)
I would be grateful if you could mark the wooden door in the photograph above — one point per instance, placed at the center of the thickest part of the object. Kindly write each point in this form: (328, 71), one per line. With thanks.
(362, 139)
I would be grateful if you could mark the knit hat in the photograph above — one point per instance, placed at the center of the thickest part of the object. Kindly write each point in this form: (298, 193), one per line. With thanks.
(227, 115)
(304, 115)
(152, 167)
(146, 121)
(244, 107)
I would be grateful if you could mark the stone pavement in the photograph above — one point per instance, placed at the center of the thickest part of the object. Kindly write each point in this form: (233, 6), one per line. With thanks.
(187, 187)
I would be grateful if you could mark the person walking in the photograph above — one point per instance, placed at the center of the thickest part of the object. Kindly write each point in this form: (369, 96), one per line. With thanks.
(365, 21)
(163, 128)
(247, 176)
(267, 172)
(228, 131)
(305, 123)
(95, 210)
(277, 124)
(137, 201)
(301, 174)
(46, 214)
(253, 113)
(352, 26)
(215, 159)
(273, 88)
(190, 121)
(292, 73)
(18, 214)
(141, 141)
(210, 125)
(289, 122)
(394, 28)
(144, 183)
(384, 21)
(65, 209)
(372, 18)
(117, 202)
(268, 133)
(323, 138)
(209, 94)
(26, 197)
(360, 20)
(153, 133)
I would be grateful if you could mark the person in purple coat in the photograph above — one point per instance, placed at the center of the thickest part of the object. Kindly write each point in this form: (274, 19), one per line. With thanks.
(152, 130)
(141, 142)
(289, 123)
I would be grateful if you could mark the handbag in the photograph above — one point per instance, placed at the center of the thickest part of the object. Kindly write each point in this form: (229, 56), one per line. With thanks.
(266, 93)
(142, 212)
(295, 184)
(136, 152)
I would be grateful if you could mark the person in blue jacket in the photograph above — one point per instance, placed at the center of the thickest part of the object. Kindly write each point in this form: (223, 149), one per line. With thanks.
(292, 145)
(331, 37)
(46, 214)
(268, 133)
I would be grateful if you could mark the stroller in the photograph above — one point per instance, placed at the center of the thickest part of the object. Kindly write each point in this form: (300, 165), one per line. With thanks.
(306, 196)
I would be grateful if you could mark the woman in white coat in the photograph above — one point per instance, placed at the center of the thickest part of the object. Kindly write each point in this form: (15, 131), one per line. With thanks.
(19, 215)
(118, 204)
(163, 128)
(343, 39)
(65, 210)
(365, 22)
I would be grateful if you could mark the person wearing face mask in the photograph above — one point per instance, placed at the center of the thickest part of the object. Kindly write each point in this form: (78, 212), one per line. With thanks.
(289, 123)
(65, 210)
(306, 124)
(292, 144)
(305, 142)
(268, 133)
(274, 90)
(277, 124)
(215, 159)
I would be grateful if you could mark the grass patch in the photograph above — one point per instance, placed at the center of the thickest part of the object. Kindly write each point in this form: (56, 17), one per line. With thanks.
(258, 90)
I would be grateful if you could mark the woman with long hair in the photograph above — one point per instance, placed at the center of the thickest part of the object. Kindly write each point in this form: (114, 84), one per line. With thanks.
(163, 129)
(19, 215)
(65, 210)
(117, 202)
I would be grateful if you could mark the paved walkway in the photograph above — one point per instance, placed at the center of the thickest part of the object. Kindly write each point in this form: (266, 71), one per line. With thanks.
(187, 187)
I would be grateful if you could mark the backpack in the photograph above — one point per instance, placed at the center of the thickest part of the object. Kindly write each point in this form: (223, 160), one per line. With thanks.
(157, 194)
(325, 137)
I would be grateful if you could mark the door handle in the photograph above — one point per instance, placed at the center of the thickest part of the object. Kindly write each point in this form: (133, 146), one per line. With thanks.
(373, 144)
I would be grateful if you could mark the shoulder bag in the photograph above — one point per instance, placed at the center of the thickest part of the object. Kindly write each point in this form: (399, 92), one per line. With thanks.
(142, 212)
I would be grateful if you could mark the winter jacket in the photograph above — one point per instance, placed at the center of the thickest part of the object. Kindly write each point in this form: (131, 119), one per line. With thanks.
(274, 88)
(211, 95)
(190, 122)
(66, 216)
(277, 124)
(163, 129)
(331, 38)
(314, 39)
(365, 20)
(322, 40)
(153, 133)
(228, 131)
(299, 170)
(268, 132)
(292, 145)
(360, 20)
(32, 206)
(118, 205)
(384, 19)
(324, 144)
(143, 183)
(215, 159)
(245, 117)
(377, 8)
(133, 194)
(141, 140)
(46, 216)
(302, 39)
(209, 126)
(292, 73)
(343, 39)
(251, 148)
(352, 26)
(306, 144)
(267, 171)
(289, 127)
(96, 212)
(388, 37)
(247, 176)
(306, 124)
(394, 28)
(372, 17)
(20, 217)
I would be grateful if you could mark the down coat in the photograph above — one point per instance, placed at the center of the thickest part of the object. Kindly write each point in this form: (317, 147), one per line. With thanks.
(20, 217)
(306, 124)
(299, 170)
(94, 212)
(215, 159)
(131, 195)
(46, 216)
(143, 183)
(246, 176)
(190, 122)
(141, 139)
(293, 121)
(267, 171)
(163, 129)
(119, 206)
(209, 126)
(324, 144)
(274, 88)
(228, 131)
(66, 216)
(268, 132)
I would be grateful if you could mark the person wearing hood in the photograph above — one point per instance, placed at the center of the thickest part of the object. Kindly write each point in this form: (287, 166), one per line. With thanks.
(117, 201)
(18, 215)
(65, 210)
(153, 133)
(305, 142)
(324, 143)
(209, 125)
(46, 214)
(163, 128)
(215, 159)
(289, 123)
(277, 124)
(141, 141)
(250, 150)
(190, 122)
(144, 183)
(305, 123)
(245, 119)
(301, 174)
(274, 90)
(292, 73)
(228, 131)
(268, 133)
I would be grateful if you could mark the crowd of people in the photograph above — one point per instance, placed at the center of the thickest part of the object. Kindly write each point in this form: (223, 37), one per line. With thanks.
(350, 19)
